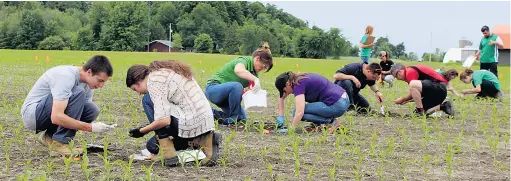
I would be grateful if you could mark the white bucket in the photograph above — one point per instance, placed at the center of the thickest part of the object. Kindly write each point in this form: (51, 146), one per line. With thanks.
(251, 99)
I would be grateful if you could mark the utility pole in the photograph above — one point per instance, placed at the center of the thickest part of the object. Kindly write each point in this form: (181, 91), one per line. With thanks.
(431, 45)
(170, 34)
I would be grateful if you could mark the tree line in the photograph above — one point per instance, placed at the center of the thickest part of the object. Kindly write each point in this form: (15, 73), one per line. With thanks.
(229, 27)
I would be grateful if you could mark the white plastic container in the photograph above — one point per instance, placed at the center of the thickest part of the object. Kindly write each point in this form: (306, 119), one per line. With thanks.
(251, 99)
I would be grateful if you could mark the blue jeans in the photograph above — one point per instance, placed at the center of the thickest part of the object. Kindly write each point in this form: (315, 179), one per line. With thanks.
(320, 113)
(365, 59)
(227, 96)
(77, 108)
(165, 132)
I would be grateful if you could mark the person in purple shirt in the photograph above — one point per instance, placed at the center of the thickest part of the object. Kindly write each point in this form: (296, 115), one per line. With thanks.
(326, 101)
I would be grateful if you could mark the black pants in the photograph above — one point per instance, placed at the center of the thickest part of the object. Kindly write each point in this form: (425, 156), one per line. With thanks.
(492, 67)
(357, 101)
(433, 94)
(488, 89)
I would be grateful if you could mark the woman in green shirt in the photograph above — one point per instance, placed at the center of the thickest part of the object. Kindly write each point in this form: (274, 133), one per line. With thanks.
(365, 51)
(485, 82)
(225, 87)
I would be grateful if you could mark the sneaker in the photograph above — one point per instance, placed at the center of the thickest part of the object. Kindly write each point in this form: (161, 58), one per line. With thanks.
(447, 108)
(334, 125)
(44, 139)
(418, 112)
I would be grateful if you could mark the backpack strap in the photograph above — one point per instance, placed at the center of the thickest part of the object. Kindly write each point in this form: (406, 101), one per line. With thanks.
(423, 76)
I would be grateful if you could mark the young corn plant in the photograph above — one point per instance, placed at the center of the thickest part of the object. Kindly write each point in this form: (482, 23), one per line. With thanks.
(85, 166)
(227, 143)
(270, 171)
(493, 142)
(374, 140)
(126, 167)
(310, 173)
(242, 151)
(449, 159)
(148, 170)
(402, 163)
(67, 163)
(331, 173)
(26, 175)
(425, 161)
(49, 165)
(282, 149)
(475, 143)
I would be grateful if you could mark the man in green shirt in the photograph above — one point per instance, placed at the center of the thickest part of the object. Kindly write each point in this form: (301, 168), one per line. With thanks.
(488, 50)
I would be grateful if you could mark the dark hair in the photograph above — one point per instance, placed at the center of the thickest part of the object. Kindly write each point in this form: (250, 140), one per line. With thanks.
(447, 74)
(137, 73)
(375, 68)
(466, 73)
(265, 56)
(98, 64)
(282, 79)
(485, 28)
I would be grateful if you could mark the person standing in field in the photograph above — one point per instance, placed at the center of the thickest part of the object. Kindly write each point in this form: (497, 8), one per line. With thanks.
(427, 89)
(386, 64)
(488, 52)
(365, 50)
(225, 87)
(177, 110)
(353, 78)
(485, 83)
(326, 101)
(60, 103)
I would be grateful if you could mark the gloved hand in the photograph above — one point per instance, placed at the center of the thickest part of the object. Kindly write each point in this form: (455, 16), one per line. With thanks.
(280, 121)
(135, 133)
(257, 85)
(99, 127)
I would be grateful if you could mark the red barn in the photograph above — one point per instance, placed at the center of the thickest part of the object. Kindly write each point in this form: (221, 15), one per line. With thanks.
(161, 46)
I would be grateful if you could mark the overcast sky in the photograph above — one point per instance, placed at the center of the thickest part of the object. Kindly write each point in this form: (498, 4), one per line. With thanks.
(409, 22)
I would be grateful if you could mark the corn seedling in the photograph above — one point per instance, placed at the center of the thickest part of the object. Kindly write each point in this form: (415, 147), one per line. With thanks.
(85, 166)
(310, 173)
(228, 141)
(475, 143)
(223, 162)
(449, 156)
(26, 175)
(270, 170)
(425, 161)
(493, 142)
(49, 165)
(506, 140)
(282, 149)
(67, 163)
(148, 171)
(357, 173)
(120, 134)
(242, 152)
(458, 142)
(331, 173)
(402, 163)
(297, 168)
(374, 140)
(126, 167)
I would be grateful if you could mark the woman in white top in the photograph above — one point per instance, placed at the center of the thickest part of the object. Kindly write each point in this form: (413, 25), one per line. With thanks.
(177, 108)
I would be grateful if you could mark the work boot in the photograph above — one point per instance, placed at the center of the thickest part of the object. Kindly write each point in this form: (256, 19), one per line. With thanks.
(64, 149)
(209, 143)
(447, 108)
(168, 154)
(44, 139)
(419, 112)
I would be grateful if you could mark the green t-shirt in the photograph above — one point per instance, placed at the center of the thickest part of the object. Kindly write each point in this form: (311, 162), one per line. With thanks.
(479, 75)
(227, 74)
(365, 51)
(489, 53)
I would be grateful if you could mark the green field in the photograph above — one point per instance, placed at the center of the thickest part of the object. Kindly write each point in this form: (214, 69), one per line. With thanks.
(474, 145)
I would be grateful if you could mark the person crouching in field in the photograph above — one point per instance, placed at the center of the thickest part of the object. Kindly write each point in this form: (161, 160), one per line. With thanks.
(177, 110)
(60, 103)
(225, 87)
(353, 78)
(326, 101)
(485, 83)
(386, 64)
(427, 89)
(449, 75)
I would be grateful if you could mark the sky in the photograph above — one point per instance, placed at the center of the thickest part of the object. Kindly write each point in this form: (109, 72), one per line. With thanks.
(422, 26)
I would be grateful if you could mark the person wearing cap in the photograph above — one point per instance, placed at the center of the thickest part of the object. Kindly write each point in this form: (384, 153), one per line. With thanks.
(427, 89)
(325, 100)
(488, 50)
(225, 87)
(386, 64)
(353, 78)
(485, 83)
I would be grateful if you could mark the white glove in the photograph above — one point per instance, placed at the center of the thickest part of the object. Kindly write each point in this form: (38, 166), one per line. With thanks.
(257, 85)
(100, 127)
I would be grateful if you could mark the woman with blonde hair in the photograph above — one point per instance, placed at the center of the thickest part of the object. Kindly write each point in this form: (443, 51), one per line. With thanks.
(177, 109)
(365, 51)
(225, 87)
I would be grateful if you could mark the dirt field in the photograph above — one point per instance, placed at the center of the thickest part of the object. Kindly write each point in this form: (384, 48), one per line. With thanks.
(474, 145)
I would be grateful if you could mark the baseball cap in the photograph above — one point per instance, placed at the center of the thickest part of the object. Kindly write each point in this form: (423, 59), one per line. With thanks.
(280, 82)
(395, 68)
